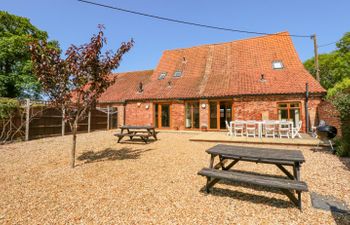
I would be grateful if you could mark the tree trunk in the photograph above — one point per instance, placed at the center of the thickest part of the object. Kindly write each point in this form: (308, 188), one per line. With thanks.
(74, 144)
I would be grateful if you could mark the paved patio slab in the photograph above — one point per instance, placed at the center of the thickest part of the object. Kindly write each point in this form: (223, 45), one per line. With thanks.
(329, 203)
(222, 137)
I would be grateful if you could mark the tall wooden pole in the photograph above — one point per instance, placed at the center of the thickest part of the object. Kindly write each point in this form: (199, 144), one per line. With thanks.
(27, 119)
(89, 121)
(63, 121)
(108, 117)
(316, 58)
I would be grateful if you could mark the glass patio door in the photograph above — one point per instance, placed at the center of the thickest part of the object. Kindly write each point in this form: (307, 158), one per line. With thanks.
(219, 112)
(213, 115)
(192, 115)
(225, 113)
(162, 115)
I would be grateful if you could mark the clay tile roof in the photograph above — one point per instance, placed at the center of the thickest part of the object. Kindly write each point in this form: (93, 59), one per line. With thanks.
(228, 69)
(126, 86)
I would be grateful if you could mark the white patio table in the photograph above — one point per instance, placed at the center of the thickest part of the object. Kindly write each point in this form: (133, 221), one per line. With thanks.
(261, 123)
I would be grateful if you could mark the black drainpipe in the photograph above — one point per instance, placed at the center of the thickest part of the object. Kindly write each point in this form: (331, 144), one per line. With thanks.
(306, 107)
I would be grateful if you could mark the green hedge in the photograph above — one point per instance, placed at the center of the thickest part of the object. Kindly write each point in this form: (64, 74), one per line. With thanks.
(339, 95)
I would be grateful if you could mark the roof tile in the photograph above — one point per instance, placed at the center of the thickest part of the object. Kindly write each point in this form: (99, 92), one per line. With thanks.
(225, 69)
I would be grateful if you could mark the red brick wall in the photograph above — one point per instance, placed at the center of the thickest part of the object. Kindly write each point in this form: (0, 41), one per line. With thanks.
(138, 114)
(203, 114)
(177, 115)
(252, 107)
(327, 112)
(257, 107)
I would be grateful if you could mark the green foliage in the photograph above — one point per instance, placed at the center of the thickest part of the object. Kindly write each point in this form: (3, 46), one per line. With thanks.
(344, 44)
(335, 76)
(16, 77)
(339, 95)
(342, 146)
(334, 67)
(7, 107)
(343, 86)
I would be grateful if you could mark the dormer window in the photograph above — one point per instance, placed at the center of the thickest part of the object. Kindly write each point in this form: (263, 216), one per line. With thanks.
(276, 65)
(162, 76)
(178, 73)
(140, 87)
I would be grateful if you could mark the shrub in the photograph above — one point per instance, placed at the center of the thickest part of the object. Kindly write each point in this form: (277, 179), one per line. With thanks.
(342, 147)
(7, 107)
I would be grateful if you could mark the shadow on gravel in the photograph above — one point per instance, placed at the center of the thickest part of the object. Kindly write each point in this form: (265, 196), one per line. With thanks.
(345, 161)
(257, 199)
(341, 217)
(110, 154)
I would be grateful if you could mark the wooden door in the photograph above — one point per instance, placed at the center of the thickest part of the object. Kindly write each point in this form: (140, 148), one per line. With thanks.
(162, 115)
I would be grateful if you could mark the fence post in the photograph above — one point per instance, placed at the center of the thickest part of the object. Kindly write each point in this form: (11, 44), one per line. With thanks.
(27, 119)
(89, 121)
(63, 122)
(108, 117)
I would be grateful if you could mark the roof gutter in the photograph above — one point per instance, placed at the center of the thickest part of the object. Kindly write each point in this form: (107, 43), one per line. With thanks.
(314, 94)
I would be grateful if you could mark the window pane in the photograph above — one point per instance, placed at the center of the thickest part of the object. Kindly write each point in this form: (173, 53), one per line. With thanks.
(282, 105)
(225, 113)
(196, 115)
(156, 115)
(229, 113)
(294, 105)
(295, 116)
(177, 74)
(165, 115)
(222, 112)
(277, 65)
(283, 114)
(213, 115)
(162, 76)
(188, 115)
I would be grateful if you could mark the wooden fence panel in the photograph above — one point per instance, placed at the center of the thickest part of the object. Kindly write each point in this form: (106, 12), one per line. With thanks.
(48, 123)
(45, 122)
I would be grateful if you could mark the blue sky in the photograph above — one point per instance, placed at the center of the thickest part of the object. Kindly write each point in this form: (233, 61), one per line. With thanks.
(73, 22)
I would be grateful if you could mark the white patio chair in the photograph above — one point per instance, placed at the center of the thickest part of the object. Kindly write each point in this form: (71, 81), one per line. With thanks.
(250, 128)
(270, 127)
(284, 129)
(229, 128)
(296, 130)
(238, 128)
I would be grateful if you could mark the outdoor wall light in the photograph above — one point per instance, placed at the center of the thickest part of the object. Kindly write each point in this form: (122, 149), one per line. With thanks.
(203, 105)
(139, 104)
(147, 106)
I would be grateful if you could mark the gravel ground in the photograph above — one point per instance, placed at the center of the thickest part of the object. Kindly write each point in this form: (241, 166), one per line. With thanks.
(155, 183)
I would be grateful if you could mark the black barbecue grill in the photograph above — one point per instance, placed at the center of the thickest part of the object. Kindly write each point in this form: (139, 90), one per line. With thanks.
(326, 133)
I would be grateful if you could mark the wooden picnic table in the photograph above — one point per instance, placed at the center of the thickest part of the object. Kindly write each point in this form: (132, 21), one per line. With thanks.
(279, 157)
(144, 132)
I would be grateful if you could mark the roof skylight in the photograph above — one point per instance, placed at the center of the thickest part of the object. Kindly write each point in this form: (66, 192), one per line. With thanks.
(162, 76)
(178, 73)
(277, 64)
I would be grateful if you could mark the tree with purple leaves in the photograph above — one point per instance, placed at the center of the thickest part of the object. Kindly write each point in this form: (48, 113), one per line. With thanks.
(75, 83)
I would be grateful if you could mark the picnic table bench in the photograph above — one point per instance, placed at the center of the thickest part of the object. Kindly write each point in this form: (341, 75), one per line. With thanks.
(278, 157)
(143, 132)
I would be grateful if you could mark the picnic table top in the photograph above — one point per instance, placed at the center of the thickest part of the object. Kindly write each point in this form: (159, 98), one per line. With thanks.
(136, 127)
(240, 152)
